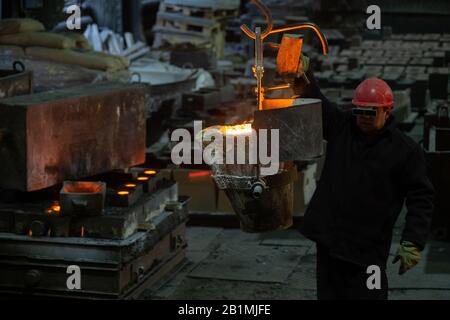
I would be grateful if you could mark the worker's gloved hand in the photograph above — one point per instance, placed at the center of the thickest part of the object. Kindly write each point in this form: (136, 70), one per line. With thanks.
(301, 84)
(303, 66)
(409, 256)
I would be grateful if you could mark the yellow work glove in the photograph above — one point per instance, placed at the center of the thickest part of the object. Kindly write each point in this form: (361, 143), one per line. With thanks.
(303, 66)
(409, 256)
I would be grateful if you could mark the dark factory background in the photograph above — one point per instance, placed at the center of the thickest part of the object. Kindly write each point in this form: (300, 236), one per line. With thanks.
(86, 120)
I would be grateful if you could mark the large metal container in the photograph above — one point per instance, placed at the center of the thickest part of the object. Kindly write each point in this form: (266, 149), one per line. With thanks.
(271, 209)
(70, 134)
(15, 82)
(262, 203)
(299, 123)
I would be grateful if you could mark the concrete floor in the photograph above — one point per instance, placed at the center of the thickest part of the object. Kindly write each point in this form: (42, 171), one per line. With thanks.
(228, 265)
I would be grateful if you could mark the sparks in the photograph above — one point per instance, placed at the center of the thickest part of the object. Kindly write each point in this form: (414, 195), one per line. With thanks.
(241, 129)
(54, 209)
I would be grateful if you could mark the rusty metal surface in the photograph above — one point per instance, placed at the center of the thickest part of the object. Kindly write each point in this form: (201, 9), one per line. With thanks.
(36, 266)
(15, 83)
(70, 134)
(300, 129)
(116, 223)
(272, 210)
(88, 250)
(111, 270)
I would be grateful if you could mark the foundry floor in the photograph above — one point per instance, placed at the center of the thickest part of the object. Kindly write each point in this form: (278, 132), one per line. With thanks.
(224, 264)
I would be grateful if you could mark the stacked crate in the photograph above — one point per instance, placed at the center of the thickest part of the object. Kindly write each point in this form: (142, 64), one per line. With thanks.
(437, 147)
(418, 62)
(199, 23)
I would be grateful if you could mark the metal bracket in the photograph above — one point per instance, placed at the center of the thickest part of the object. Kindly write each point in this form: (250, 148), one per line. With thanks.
(258, 36)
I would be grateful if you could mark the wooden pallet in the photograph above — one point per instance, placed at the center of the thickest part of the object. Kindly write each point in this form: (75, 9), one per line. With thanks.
(186, 24)
(170, 38)
(206, 13)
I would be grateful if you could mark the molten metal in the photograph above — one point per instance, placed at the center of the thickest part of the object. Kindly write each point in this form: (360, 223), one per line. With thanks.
(242, 129)
(54, 209)
(82, 187)
(270, 104)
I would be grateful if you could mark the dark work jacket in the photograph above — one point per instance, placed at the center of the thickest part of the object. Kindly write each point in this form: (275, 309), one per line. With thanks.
(363, 188)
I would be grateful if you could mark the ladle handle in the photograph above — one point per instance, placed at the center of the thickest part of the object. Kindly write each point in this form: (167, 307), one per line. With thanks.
(265, 11)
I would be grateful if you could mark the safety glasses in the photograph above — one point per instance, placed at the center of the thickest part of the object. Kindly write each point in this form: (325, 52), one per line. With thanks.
(367, 112)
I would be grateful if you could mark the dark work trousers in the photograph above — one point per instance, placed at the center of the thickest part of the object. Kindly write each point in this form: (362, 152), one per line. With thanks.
(341, 280)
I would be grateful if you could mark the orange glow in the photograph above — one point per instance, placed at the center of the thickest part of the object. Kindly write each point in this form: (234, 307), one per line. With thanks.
(30, 233)
(269, 104)
(280, 87)
(289, 54)
(199, 174)
(83, 187)
(150, 172)
(123, 193)
(131, 185)
(82, 232)
(241, 129)
(143, 179)
(55, 208)
(319, 34)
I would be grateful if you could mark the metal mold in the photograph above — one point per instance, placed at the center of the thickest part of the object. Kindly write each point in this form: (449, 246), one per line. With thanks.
(83, 198)
(127, 195)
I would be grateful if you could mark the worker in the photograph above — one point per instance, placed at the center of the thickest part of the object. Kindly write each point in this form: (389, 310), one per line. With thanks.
(371, 170)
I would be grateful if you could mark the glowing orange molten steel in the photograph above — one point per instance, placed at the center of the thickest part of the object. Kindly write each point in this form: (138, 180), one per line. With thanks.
(123, 193)
(55, 208)
(143, 179)
(241, 129)
(83, 187)
(269, 104)
(131, 185)
(150, 172)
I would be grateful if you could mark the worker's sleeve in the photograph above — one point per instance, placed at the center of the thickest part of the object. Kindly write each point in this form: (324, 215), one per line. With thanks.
(332, 117)
(419, 199)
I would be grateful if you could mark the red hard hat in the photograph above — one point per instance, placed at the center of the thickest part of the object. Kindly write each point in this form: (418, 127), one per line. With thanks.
(374, 92)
